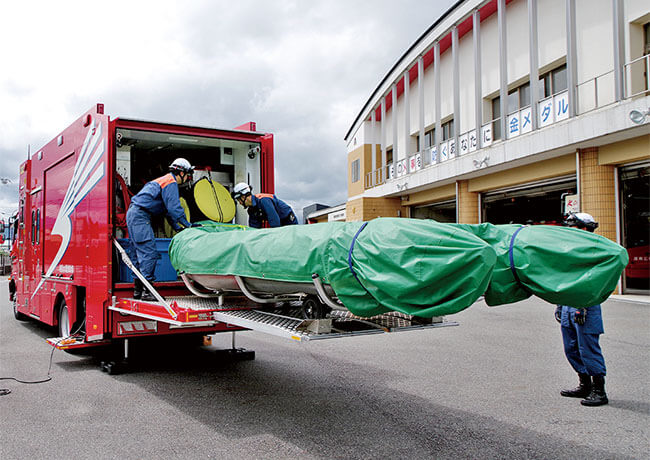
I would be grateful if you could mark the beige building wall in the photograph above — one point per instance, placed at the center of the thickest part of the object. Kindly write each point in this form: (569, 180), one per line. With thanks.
(631, 150)
(538, 171)
(371, 208)
(598, 192)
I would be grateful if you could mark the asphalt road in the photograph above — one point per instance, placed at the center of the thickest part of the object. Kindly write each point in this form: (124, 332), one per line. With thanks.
(488, 388)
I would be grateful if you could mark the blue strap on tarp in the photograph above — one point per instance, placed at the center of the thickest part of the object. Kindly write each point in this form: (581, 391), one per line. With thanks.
(512, 259)
(350, 257)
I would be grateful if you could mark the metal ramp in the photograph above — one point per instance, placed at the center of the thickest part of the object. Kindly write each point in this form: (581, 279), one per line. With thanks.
(338, 324)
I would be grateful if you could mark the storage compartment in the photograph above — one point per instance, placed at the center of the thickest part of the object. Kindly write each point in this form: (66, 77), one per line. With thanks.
(164, 270)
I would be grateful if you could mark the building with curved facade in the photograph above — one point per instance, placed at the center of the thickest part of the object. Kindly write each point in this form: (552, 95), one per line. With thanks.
(515, 111)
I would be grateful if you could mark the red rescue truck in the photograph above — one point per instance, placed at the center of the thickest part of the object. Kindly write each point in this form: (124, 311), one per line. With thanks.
(68, 262)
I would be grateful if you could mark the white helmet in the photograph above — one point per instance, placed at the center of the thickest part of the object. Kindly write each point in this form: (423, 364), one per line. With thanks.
(241, 189)
(181, 164)
(581, 220)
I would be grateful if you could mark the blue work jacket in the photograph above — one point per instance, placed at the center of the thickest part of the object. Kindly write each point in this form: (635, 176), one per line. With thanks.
(160, 196)
(267, 207)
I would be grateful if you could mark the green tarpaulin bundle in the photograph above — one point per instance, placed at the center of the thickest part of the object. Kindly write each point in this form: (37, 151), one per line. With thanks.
(417, 267)
(411, 266)
(562, 265)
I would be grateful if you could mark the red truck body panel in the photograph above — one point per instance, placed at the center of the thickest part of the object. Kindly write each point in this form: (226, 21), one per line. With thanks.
(65, 253)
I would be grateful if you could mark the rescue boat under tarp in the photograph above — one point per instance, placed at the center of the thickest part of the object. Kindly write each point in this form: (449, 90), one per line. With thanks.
(416, 267)
(562, 265)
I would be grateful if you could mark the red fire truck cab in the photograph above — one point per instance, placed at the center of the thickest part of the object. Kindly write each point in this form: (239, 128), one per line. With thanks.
(73, 196)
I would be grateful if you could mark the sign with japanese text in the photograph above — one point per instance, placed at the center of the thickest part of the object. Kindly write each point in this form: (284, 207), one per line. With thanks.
(486, 135)
(444, 151)
(545, 112)
(415, 162)
(434, 155)
(473, 140)
(463, 142)
(452, 147)
(401, 168)
(561, 103)
(571, 204)
(513, 125)
(526, 120)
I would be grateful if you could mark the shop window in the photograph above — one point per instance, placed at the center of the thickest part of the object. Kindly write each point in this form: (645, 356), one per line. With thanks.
(635, 221)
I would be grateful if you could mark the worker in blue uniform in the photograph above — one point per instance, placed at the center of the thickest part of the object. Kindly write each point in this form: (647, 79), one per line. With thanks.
(263, 207)
(581, 329)
(159, 196)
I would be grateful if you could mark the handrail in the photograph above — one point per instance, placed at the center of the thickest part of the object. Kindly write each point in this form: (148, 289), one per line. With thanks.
(146, 283)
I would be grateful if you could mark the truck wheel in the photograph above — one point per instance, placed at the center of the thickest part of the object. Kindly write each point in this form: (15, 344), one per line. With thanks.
(64, 320)
(18, 315)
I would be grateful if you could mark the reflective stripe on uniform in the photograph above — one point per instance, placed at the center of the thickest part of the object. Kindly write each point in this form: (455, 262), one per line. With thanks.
(165, 180)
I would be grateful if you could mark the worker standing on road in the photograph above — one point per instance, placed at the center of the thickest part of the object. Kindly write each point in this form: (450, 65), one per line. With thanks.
(263, 207)
(581, 329)
(160, 196)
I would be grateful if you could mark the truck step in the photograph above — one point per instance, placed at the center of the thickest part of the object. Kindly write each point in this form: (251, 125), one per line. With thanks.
(70, 343)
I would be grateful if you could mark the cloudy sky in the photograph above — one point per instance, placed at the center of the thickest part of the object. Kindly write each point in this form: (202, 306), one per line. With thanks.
(300, 69)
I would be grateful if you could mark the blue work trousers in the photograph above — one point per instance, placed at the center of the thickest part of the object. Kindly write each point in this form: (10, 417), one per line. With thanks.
(581, 345)
(143, 242)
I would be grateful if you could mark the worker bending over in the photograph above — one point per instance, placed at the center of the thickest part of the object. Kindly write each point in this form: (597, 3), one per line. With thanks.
(263, 207)
(158, 197)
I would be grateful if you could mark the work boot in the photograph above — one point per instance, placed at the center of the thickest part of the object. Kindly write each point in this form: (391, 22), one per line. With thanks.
(146, 294)
(137, 288)
(597, 397)
(582, 390)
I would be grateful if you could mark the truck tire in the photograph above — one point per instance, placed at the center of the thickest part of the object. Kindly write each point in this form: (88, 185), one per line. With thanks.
(18, 315)
(64, 320)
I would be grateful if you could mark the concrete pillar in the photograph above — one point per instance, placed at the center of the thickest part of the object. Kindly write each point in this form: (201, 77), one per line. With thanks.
(598, 192)
(466, 204)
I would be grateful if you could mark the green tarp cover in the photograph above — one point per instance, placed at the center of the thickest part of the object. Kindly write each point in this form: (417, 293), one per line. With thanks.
(417, 267)
(561, 265)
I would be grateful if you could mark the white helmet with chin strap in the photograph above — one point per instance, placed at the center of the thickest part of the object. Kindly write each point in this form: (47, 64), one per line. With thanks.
(581, 220)
(181, 164)
(241, 189)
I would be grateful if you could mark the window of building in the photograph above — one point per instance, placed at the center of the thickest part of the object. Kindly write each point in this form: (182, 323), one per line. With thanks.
(428, 139)
(389, 156)
(550, 83)
(447, 130)
(553, 82)
(355, 171)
